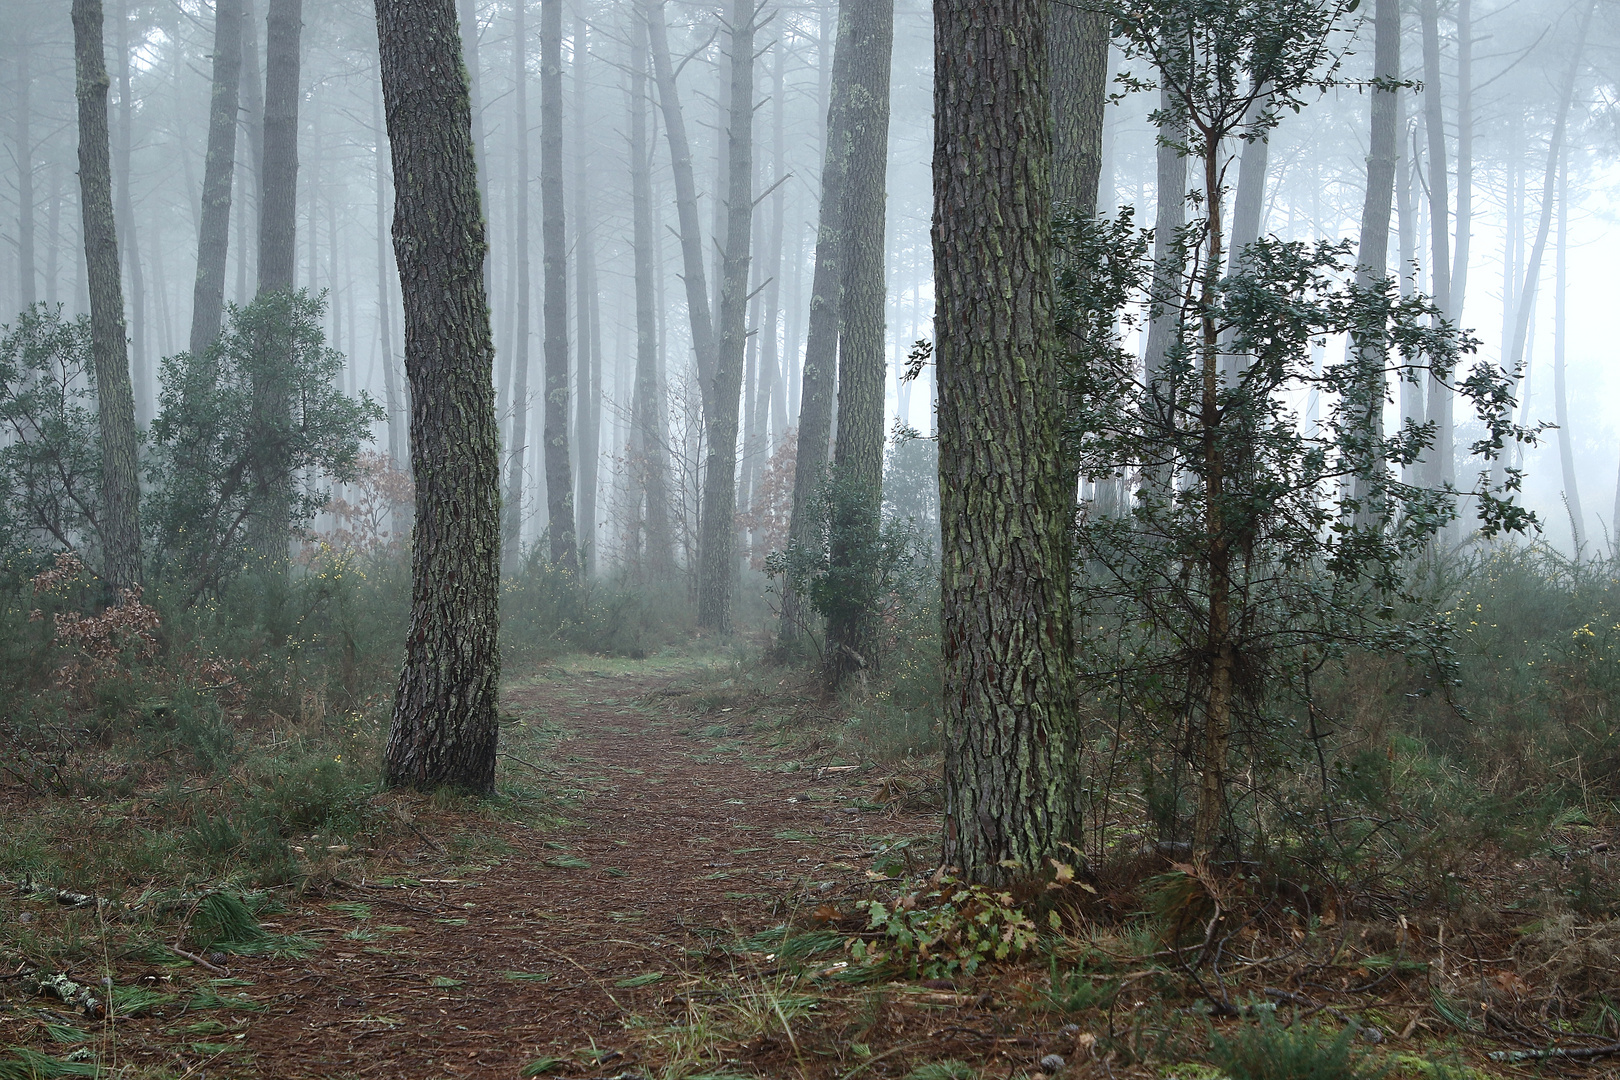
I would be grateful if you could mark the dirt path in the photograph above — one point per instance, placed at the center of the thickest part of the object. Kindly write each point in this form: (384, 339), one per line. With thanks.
(683, 831)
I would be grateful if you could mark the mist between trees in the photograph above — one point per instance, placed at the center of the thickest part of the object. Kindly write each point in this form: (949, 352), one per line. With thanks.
(1194, 369)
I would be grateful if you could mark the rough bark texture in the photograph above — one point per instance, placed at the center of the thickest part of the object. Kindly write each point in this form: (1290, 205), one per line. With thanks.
(588, 410)
(559, 476)
(717, 538)
(444, 725)
(818, 378)
(214, 230)
(278, 228)
(1077, 53)
(1012, 769)
(858, 456)
(686, 205)
(1372, 252)
(120, 525)
(512, 511)
(648, 432)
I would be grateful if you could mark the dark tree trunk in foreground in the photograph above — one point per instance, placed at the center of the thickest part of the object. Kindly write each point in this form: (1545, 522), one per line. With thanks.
(1372, 252)
(444, 726)
(120, 525)
(559, 476)
(214, 231)
(818, 383)
(1077, 52)
(858, 457)
(648, 434)
(717, 539)
(385, 299)
(1012, 768)
(278, 234)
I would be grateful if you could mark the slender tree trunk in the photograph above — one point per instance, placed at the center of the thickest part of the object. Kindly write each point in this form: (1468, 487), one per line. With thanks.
(1012, 769)
(818, 380)
(518, 400)
(717, 568)
(252, 118)
(1372, 253)
(313, 171)
(385, 301)
(22, 118)
(858, 456)
(1566, 439)
(559, 476)
(686, 204)
(278, 228)
(140, 369)
(445, 727)
(1405, 214)
(649, 433)
(1465, 156)
(214, 229)
(1441, 465)
(588, 414)
(1170, 218)
(53, 253)
(1514, 362)
(119, 525)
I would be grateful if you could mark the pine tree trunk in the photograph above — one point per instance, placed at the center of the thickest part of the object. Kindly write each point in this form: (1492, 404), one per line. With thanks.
(278, 234)
(119, 525)
(252, 118)
(445, 727)
(1372, 253)
(1514, 359)
(1566, 439)
(818, 381)
(1170, 217)
(717, 569)
(858, 456)
(686, 205)
(53, 252)
(518, 400)
(214, 229)
(27, 291)
(1440, 467)
(559, 476)
(1012, 766)
(129, 244)
(649, 434)
(587, 414)
(1465, 156)
(1077, 52)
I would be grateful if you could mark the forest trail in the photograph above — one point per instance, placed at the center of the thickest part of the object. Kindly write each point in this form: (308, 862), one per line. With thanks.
(680, 830)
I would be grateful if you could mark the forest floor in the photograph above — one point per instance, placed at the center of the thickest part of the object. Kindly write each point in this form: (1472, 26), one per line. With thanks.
(637, 917)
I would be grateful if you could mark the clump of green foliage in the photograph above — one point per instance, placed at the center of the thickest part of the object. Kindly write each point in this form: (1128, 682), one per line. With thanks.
(946, 927)
(1271, 1050)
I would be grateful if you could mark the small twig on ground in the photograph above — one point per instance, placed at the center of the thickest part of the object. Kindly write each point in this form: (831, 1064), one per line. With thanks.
(202, 961)
(530, 764)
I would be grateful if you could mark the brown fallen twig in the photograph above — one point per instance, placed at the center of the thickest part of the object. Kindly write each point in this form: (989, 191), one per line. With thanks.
(195, 959)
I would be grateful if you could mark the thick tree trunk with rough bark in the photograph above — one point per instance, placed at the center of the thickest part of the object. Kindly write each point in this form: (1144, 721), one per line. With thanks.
(518, 400)
(119, 525)
(559, 476)
(397, 421)
(648, 432)
(1077, 53)
(1012, 765)
(445, 726)
(214, 230)
(818, 380)
(858, 456)
(717, 539)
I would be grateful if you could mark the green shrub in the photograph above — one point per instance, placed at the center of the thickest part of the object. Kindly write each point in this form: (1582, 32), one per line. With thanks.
(1271, 1050)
